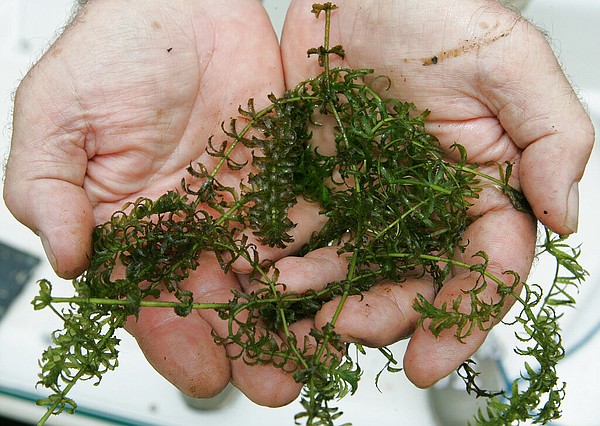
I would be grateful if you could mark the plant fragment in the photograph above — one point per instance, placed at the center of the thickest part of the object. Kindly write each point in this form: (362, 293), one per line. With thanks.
(394, 205)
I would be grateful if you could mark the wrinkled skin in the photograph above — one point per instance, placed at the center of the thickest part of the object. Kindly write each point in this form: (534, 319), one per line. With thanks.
(128, 96)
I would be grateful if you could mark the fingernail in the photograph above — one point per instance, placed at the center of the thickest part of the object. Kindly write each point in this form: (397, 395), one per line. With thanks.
(573, 208)
(48, 250)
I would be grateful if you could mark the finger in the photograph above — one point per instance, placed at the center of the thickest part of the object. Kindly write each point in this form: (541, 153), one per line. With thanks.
(311, 272)
(381, 316)
(305, 341)
(308, 345)
(45, 173)
(182, 350)
(263, 383)
(538, 108)
(267, 384)
(508, 238)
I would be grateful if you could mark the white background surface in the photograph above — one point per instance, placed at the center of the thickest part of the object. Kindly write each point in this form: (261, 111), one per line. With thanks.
(135, 391)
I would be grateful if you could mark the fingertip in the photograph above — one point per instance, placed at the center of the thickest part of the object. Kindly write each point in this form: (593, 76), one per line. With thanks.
(553, 193)
(68, 250)
(428, 358)
(62, 217)
(182, 350)
(265, 385)
(421, 366)
(65, 227)
(314, 271)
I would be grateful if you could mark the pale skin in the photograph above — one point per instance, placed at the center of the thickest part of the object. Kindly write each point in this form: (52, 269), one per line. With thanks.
(128, 96)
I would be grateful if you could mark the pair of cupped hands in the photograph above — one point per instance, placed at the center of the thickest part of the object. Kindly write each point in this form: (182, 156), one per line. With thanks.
(130, 93)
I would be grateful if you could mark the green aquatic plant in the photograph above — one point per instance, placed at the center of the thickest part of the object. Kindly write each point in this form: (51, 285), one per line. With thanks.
(394, 203)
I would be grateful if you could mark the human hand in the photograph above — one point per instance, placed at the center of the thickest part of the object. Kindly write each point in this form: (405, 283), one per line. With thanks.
(117, 109)
(493, 85)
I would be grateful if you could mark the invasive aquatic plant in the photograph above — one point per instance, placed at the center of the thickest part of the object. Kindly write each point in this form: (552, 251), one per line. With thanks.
(394, 205)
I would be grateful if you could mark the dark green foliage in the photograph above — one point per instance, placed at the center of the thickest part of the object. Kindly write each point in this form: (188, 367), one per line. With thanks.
(395, 205)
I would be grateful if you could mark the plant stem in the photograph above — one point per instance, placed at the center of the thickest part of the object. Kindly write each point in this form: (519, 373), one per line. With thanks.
(66, 390)
(143, 303)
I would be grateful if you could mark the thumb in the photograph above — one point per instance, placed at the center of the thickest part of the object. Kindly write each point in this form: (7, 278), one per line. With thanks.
(43, 185)
(538, 108)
